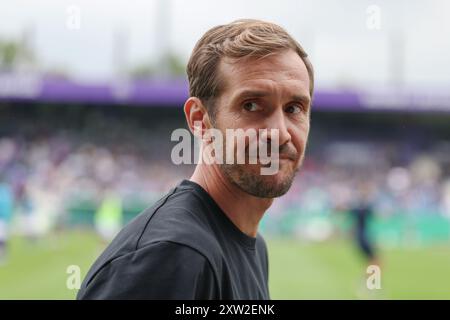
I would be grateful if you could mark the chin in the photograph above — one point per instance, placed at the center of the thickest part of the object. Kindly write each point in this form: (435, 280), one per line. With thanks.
(250, 180)
(280, 182)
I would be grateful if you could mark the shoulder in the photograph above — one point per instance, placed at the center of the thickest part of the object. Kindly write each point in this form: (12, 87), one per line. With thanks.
(158, 270)
(261, 242)
(182, 219)
(262, 252)
(179, 217)
(176, 223)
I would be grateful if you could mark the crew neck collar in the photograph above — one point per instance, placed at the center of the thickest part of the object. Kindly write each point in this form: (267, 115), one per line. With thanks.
(243, 238)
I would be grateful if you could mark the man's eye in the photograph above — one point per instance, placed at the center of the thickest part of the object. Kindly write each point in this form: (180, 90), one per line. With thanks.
(251, 106)
(294, 109)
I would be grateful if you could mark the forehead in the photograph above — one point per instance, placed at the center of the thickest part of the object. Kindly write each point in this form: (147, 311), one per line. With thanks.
(283, 72)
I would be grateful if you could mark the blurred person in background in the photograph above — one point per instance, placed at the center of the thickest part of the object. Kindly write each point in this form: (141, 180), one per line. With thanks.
(362, 211)
(445, 199)
(24, 207)
(108, 218)
(6, 211)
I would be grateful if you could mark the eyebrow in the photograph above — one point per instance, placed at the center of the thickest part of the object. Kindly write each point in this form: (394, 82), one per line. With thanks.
(260, 94)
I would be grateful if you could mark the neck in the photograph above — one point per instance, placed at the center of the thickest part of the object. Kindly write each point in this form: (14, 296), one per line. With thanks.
(243, 209)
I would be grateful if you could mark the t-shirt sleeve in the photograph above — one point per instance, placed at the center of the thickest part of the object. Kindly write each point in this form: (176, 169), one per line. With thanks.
(163, 270)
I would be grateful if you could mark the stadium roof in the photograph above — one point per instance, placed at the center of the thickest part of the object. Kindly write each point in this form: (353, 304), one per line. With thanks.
(173, 93)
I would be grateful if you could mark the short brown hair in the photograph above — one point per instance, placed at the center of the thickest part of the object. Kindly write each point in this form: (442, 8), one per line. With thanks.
(238, 39)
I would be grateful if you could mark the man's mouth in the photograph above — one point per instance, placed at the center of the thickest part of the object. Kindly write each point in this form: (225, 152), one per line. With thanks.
(274, 158)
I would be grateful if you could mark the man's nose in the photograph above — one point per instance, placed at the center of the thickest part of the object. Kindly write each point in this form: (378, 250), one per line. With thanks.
(277, 120)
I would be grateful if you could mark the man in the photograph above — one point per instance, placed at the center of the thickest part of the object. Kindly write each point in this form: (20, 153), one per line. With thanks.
(200, 241)
(362, 211)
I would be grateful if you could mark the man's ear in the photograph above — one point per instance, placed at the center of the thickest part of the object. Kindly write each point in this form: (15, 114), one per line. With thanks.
(197, 116)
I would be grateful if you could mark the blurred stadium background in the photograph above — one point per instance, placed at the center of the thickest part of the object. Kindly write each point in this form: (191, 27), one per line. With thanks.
(87, 112)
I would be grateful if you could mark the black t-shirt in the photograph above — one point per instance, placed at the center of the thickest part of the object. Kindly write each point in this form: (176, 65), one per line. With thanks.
(183, 247)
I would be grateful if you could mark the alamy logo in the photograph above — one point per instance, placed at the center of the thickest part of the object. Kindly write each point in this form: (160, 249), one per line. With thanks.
(373, 21)
(374, 279)
(73, 21)
(73, 281)
(231, 148)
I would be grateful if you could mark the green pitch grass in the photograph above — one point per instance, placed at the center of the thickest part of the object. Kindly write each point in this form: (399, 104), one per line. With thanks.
(331, 270)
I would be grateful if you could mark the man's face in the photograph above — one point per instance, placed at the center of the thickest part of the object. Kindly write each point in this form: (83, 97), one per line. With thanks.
(269, 93)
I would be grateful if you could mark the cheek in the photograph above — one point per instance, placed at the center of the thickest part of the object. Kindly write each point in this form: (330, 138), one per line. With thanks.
(299, 138)
(227, 120)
